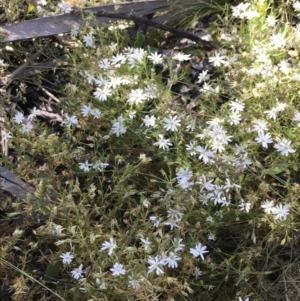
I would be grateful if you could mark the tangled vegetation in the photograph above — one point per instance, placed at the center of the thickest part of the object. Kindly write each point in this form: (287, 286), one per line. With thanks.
(148, 192)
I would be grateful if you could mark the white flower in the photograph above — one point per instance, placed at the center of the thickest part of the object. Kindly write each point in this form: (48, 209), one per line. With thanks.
(271, 21)
(251, 14)
(243, 11)
(191, 126)
(185, 183)
(278, 40)
(100, 81)
(199, 250)
(245, 206)
(218, 133)
(85, 166)
(70, 120)
(268, 206)
(67, 257)
(149, 121)
(297, 118)
(260, 126)
(118, 60)
(89, 77)
(55, 229)
(41, 2)
(26, 128)
(180, 56)
(119, 127)
(110, 245)
(296, 6)
(284, 67)
(88, 40)
(162, 142)
(104, 64)
(155, 220)
(262, 56)
(206, 155)
(171, 123)
(99, 166)
(264, 139)
(134, 283)
(77, 273)
(32, 115)
(206, 184)
(65, 7)
(155, 58)
(209, 219)
(74, 31)
(238, 9)
(207, 89)
(175, 214)
(240, 299)
(203, 76)
(155, 265)
(191, 147)
(135, 57)
(115, 81)
(101, 285)
(184, 173)
(136, 96)
(96, 113)
(127, 80)
(234, 118)
(86, 110)
(18, 118)
(284, 147)
(218, 145)
(230, 185)
(178, 245)
(113, 46)
(131, 114)
(151, 91)
(171, 260)
(103, 93)
(197, 272)
(211, 236)
(2, 64)
(217, 59)
(146, 244)
(281, 212)
(5, 135)
(172, 224)
(236, 106)
(272, 114)
(118, 269)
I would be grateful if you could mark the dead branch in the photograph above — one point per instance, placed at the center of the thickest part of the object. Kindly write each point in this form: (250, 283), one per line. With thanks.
(57, 24)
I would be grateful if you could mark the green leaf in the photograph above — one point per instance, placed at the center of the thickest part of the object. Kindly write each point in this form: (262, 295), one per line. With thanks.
(214, 31)
(276, 169)
(53, 270)
(30, 8)
(139, 42)
(194, 51)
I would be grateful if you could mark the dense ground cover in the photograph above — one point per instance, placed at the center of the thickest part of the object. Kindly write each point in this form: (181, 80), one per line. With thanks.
(168, 182)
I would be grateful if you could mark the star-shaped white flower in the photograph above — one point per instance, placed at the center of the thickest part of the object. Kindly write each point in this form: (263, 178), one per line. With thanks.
(199, 250)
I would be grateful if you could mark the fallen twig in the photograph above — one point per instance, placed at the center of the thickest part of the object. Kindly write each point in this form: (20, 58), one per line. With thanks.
(50, 95)
(4, 145)
(23, 72)
(178, 33)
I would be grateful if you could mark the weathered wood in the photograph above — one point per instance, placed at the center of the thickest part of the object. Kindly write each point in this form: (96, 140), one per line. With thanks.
(57, 24)
(15, 186)
(11, 184)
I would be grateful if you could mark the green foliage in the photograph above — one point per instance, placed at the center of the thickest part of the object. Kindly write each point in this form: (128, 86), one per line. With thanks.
(157, 194)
